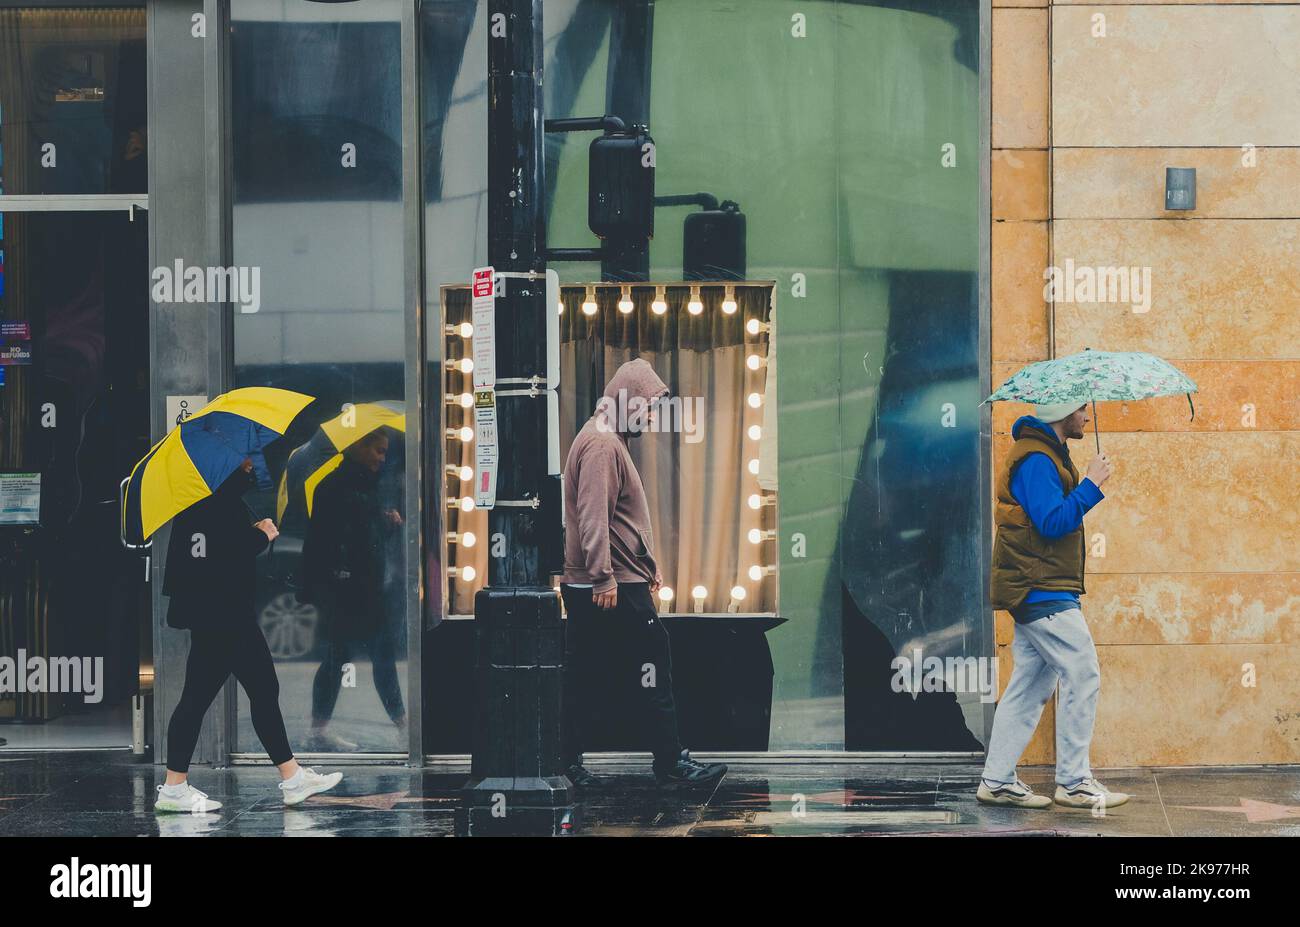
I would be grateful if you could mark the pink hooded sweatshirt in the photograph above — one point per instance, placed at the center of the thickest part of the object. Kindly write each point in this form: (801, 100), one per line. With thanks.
(607, 536)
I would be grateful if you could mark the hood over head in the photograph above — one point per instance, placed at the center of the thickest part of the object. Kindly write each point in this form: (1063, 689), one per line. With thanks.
(638, 378)
(634, 380)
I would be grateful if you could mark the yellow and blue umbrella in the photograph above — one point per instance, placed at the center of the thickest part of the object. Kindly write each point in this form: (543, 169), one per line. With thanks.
(320, 456)
(201, 452)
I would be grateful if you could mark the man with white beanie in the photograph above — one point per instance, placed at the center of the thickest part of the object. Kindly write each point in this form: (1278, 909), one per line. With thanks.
(1037, 575)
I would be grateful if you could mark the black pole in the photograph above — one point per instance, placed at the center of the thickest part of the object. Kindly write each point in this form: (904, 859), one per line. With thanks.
(517, 783)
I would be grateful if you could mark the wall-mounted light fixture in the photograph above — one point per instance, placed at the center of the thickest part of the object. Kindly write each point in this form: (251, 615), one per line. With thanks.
(1180, 188)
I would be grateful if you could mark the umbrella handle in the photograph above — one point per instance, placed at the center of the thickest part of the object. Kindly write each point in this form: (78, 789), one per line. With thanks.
(1095, 436)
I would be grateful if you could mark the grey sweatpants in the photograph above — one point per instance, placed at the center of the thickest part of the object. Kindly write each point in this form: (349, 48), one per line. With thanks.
(1056, 648)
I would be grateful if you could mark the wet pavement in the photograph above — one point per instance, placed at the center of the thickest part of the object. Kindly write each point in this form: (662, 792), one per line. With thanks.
(109, 794)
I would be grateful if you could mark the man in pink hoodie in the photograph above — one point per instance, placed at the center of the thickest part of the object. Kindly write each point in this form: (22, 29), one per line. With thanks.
(610, 574)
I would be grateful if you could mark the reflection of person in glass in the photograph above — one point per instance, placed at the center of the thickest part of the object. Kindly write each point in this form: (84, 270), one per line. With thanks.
(343, 566)
(610, 574)
(210, 580)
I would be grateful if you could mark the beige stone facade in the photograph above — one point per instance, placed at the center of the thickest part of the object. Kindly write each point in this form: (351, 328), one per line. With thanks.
(1195, 605)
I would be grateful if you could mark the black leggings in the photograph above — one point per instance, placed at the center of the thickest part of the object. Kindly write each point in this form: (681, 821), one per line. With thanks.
(214, 656)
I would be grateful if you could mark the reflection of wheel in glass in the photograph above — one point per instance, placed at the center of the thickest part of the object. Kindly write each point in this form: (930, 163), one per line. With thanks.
(289, 626)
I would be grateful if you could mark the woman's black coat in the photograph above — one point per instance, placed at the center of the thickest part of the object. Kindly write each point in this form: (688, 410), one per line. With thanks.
(211, 574)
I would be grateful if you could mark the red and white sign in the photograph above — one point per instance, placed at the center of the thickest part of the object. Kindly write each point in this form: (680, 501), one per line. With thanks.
(484, 308)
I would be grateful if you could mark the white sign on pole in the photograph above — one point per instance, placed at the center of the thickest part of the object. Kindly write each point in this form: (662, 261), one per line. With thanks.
(485, 448)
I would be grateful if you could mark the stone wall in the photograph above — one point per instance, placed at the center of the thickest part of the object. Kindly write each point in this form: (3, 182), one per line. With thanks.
(1199, 585)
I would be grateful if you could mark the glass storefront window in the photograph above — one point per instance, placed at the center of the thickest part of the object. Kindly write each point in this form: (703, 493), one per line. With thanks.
(316, 117)
(72, 101)
(850, 144)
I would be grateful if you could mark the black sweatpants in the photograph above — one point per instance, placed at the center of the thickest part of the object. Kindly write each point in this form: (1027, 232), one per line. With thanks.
(642, 652)
(214, 656)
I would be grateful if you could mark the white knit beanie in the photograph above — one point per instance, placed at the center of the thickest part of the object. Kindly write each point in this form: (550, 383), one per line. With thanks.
(1055, 411)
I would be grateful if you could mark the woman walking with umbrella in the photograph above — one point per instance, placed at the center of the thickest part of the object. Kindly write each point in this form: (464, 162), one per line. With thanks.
(210, 576)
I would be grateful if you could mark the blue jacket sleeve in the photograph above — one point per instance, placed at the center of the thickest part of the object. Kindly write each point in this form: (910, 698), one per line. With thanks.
(1038, 489)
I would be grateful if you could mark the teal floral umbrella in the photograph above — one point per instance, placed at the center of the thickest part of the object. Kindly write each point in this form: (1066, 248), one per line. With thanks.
(1090, 376)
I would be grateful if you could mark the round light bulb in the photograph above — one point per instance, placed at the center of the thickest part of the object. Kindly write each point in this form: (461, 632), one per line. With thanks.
(466, 474)
(466, 434)
(755, 432)
(466, 365)
(468, 539)
(665, 594)
(699, 592)
(659, 307)
(729, 306)
(755, 400)
(755, 501)
(468, 573)
(695, 307)
(753, 326)
(753, 362)
(753, 466)
(466, 400)
(756, 572)
(467, 504)
(755, 536)
(466, 330)
(738, 593)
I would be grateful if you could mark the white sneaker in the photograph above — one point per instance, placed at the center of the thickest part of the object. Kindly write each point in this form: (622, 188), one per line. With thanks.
(184, 798)
(1089, 794)
(1015, 795)
(307, 783)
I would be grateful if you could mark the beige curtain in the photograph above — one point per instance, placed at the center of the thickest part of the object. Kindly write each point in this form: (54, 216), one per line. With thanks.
(699, 484)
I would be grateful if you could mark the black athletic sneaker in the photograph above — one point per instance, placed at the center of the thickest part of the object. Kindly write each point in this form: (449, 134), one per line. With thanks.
(687, 773)
(583, 778)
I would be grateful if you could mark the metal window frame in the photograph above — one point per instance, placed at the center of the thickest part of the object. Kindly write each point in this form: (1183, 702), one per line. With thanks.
(985, 468)
(416, 309)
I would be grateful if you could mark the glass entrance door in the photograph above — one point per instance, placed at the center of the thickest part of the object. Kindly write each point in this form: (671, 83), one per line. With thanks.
(75, 642)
